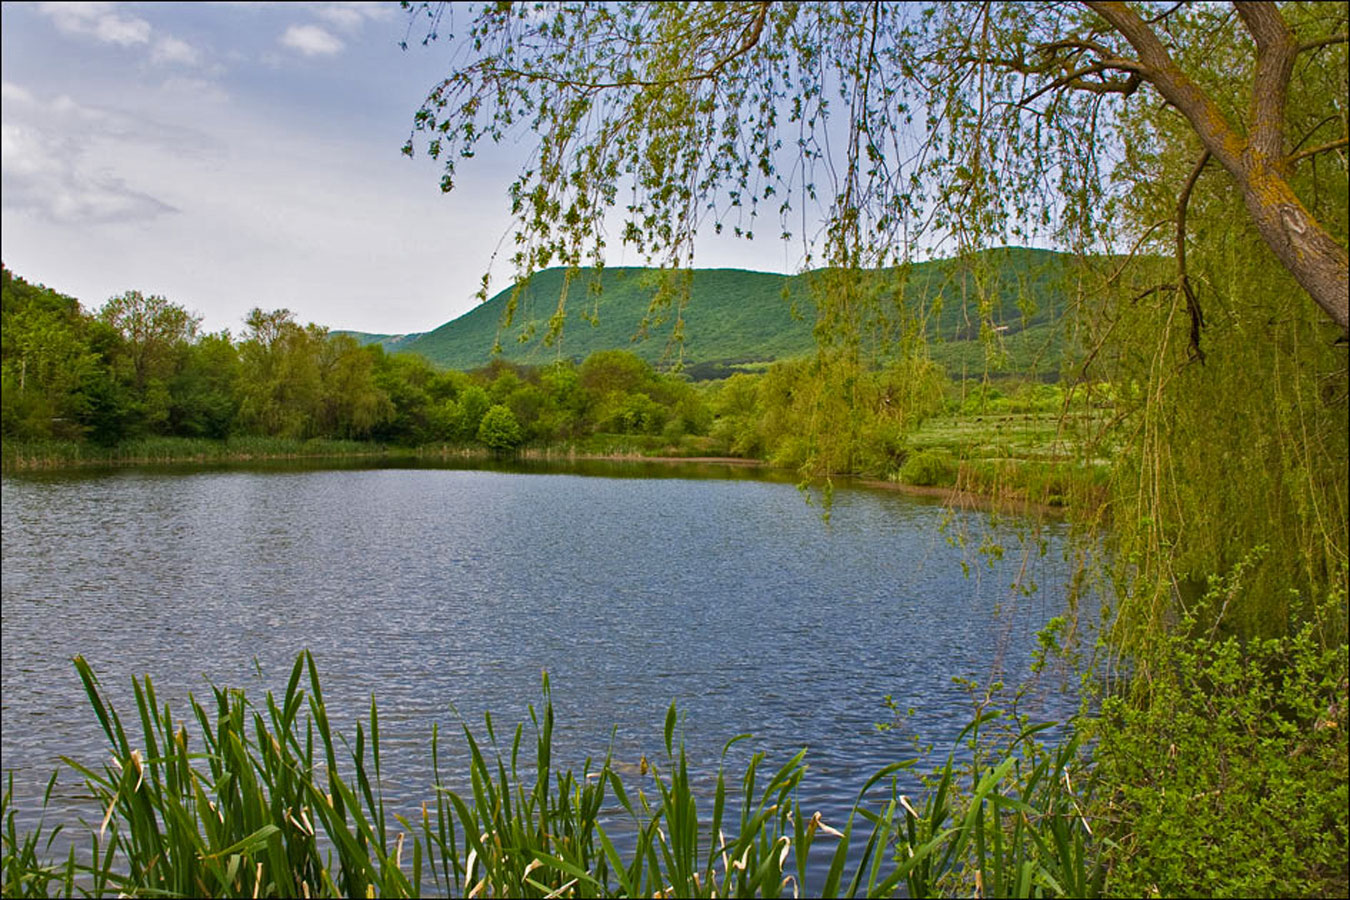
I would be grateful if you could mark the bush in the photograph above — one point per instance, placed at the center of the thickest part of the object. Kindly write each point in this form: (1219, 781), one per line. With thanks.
(499, 430)
(928, 468)
(1226, 768)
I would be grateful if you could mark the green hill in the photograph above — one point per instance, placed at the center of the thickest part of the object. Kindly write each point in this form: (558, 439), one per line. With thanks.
(735, 317)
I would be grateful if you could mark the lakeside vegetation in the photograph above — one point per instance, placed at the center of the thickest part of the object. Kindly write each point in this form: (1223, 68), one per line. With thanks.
(265, 799)
(270, 806)
(1200, 440)
(134, 382)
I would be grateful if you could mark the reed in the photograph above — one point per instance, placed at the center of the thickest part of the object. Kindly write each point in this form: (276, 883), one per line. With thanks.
(28, 455)
(262, 801)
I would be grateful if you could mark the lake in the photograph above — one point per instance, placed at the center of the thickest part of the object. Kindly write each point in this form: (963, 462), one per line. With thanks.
(442, 589)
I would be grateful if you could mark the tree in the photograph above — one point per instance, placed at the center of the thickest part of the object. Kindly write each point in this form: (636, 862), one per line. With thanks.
(976, 122)
(280, 380)
(499, 430)
(205, 389)
(154, 330)
(1192, 154)
(46, 360)
(353, 403)
(473, 406)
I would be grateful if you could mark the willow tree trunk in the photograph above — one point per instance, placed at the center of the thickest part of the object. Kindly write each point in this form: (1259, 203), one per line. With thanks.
(1311, 255)
(1257, 161)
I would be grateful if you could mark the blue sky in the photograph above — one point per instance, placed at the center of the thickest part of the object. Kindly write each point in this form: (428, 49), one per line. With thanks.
(237, 155)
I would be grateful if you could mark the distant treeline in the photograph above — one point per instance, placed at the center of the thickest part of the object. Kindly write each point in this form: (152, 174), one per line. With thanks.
(139, 367)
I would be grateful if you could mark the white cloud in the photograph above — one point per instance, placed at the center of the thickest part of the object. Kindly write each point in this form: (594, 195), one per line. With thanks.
(46, 177)
(350, 16)
(48, 172)
(104, 23)
(12, 93)
(98, 20)
(174, 51)
(311, 40)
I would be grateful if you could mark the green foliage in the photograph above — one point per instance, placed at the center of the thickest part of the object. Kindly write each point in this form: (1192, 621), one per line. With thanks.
(49, 368)
(499, 430)
(153, 331)
(1233, 431)
(205, 398)
(929, 468)
(353, 402)
(1227, 766)
(140, 370)
(474, 403)
(733, 316)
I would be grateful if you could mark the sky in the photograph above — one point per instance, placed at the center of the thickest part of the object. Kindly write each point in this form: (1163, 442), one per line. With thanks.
(233, 155)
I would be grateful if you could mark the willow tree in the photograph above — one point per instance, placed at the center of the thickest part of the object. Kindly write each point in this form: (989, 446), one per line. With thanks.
(979, 120)
(868, 130)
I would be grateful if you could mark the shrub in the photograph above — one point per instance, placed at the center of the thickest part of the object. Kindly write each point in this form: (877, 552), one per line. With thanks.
(499, 430)
(929, 467)
(1226, 767)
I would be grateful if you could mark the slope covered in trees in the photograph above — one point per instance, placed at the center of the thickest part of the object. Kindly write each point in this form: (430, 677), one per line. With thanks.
(734, 317)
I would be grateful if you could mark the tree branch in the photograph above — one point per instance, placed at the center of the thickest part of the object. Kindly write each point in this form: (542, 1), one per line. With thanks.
(1160, 16)
(1159, 69)
(1129, 257)
(1303, 246)
(1075, 81)
(1275, 52)
(749, 38)
(1323, 42)
(1313, 151)
(1183, 279)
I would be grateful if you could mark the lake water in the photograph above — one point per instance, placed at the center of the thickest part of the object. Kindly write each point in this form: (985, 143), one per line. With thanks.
(634, 586)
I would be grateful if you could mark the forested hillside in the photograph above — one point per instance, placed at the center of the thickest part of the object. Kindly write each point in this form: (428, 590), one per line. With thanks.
(999, 311)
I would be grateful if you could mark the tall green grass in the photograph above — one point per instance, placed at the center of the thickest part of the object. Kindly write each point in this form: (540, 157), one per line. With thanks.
(60, 454)
(269, 801)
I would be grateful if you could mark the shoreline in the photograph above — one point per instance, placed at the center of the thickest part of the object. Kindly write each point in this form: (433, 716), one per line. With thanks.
(950, 495)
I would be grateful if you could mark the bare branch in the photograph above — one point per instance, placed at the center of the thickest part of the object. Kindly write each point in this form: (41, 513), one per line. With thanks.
(1183, 279)
(1156, 289)
(1163, 15)
(1323, 42)
(1313, 151)
(1074, 80)
(1311, 131)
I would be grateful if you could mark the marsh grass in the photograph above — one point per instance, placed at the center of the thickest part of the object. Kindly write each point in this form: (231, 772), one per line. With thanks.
(49, 454)
(269, 801)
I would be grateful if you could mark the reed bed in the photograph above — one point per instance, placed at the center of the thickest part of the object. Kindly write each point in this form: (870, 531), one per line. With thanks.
(30, 455)
(267, 801)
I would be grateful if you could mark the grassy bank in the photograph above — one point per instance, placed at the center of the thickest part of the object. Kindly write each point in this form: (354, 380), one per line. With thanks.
(1014, 459)
(34, 455)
